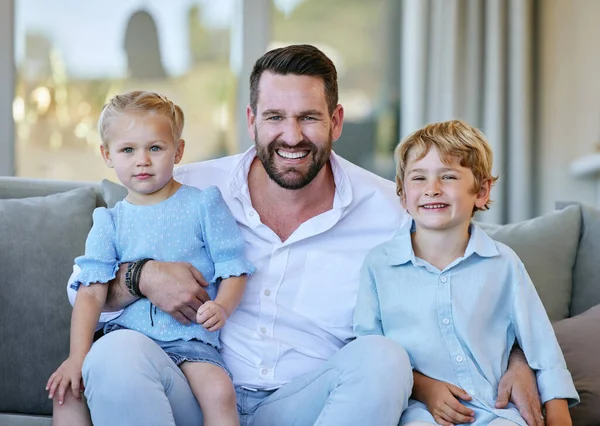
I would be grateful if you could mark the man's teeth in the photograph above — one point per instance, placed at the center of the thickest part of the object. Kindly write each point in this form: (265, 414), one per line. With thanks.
(292, 155)
(435, 206)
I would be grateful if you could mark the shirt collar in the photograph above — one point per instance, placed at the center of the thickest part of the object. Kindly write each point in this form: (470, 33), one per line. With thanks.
(238, 180)
(400, 250)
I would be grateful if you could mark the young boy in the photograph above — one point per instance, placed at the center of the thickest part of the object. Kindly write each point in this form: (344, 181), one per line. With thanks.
(455, 299)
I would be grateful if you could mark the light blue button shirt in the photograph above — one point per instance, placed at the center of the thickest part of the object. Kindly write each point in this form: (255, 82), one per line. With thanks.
(459, 325)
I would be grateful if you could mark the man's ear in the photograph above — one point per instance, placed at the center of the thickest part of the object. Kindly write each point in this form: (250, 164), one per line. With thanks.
(251, 122)
(179, 150)
(106, 155)
(337, 122)
(483, 195)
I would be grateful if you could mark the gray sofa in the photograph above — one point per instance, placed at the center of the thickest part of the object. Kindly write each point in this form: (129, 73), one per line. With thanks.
(43, 226)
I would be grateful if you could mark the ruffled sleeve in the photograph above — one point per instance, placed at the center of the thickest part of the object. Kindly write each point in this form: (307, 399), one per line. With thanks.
(222, 237)
(99, 264)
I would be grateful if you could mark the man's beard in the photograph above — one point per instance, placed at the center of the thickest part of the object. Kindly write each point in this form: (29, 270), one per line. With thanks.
(291, 177)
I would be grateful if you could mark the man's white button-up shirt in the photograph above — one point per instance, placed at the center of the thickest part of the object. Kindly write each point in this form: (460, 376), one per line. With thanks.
(297, 310)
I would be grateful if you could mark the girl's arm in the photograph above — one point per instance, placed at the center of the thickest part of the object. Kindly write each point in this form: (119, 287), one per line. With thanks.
(212, 315)
(86, 312)
(230, 293)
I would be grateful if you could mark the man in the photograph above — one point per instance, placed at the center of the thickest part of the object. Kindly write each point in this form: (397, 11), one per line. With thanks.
(309, 218)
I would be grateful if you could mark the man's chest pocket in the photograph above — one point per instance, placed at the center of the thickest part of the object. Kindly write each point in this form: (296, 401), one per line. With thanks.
(327, 293)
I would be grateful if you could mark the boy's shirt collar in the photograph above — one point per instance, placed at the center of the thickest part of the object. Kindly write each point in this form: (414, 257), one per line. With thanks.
(400, 251)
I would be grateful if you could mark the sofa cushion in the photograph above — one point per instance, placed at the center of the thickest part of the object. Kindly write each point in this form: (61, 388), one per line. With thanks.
(547, 245)
(586, 275)
(112, 192)
(40, 238)
(579, 339)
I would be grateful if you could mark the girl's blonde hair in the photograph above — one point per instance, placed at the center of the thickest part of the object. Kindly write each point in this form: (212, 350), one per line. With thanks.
(453, 140)
(140, 102)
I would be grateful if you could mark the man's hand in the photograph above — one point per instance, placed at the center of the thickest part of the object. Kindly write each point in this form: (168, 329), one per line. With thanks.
(520, 387)
(211, 316)
(441, 399)
(177, 288)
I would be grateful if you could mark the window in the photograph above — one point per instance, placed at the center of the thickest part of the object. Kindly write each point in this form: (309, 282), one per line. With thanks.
(70, 58)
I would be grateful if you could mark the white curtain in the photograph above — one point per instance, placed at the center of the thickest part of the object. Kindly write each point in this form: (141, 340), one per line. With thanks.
(473, 60)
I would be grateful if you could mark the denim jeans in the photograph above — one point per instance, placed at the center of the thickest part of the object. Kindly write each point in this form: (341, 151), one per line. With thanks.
(129, 380)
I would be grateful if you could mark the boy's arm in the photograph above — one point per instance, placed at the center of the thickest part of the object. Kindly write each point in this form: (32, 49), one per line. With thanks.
(536, 337)
(557, 413)
(442, 400)
(367, 312)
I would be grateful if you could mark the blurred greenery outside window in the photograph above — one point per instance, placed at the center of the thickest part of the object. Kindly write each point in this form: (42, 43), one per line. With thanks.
(68, 65)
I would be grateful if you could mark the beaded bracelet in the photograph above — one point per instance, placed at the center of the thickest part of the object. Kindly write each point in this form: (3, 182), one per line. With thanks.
(132, 277)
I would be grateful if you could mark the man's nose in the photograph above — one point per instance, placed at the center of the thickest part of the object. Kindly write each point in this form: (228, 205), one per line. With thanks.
(292, 132)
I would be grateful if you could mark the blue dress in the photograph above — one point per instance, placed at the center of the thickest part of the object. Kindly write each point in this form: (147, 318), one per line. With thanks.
(192, 226)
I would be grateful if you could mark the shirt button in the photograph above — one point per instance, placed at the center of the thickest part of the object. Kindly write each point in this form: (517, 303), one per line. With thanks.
(264, 371)
(267, 293)
(472, 392)
(251, 213)
(443, 278)
(263, 330)
(446, 321)
(459, 358)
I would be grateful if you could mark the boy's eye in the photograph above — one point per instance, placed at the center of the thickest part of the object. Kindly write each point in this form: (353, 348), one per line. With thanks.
(155, 148)
(418, 178)
(449, 177)
(127, 150)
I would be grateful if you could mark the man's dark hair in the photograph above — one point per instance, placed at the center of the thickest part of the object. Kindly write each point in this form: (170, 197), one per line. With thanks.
(298, 59)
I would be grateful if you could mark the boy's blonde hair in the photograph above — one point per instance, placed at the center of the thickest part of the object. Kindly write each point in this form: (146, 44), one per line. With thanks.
(140, 102)
(453, 139)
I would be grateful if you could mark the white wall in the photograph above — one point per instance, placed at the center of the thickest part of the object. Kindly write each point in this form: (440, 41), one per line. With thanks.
(569, 102)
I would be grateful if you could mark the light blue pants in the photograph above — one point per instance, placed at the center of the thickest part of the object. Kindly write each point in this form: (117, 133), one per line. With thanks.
(130, 381)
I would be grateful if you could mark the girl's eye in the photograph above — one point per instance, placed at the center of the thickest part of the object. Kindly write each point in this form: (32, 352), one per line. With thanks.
(418, 178)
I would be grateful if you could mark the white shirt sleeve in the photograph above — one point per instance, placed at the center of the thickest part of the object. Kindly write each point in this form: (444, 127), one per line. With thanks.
(72, 293)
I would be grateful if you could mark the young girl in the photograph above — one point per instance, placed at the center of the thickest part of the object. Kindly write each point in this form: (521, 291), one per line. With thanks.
(455, 299)
(160, 219)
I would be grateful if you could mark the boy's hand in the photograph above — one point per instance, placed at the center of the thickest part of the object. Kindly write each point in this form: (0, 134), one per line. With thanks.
(69, 373)
(211, 315)
(442, 403)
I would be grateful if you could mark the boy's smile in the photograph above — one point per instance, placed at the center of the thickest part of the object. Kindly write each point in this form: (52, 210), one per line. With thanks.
(440, 195)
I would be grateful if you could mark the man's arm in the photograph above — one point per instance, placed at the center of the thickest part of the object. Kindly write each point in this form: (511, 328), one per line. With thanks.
(519, 386)
(176, 288)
